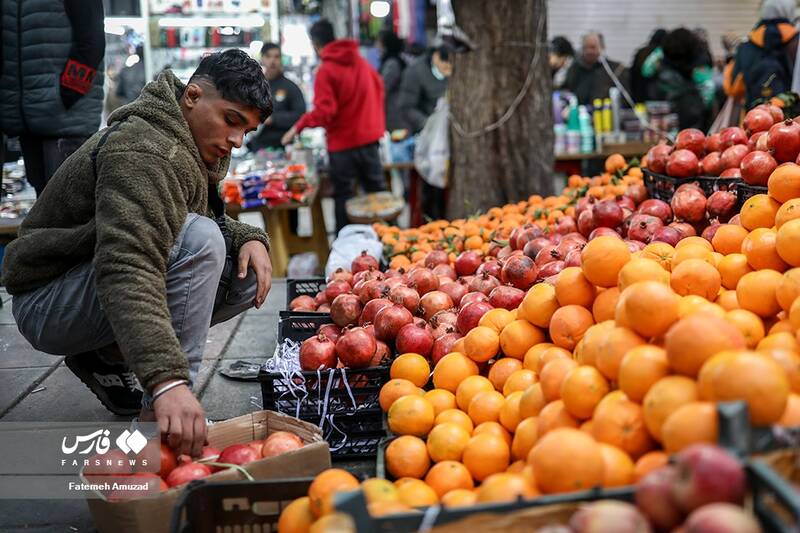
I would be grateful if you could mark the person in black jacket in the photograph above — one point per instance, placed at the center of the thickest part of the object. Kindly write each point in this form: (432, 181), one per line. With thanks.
(392, 66)
(424, 82)
(287, 98)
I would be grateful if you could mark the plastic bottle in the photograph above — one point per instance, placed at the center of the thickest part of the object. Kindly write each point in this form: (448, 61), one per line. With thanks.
(606, 115)
(586, 130)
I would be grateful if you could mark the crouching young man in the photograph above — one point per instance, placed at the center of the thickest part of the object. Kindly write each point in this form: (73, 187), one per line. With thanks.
(127, 258)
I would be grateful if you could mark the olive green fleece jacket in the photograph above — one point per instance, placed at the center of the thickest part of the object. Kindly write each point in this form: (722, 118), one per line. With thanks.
(150, 176)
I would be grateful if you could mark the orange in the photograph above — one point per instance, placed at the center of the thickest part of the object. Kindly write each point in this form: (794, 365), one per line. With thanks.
(731, 268)
(446, 442)
(485, 407)
(618, 466)
(459, 498)
(659, 252)
(602, 259)
(469, 388)
(379, 490)
(641, 367)
(694, 339)
(592, 343)
(749, 324)
(569, 323)
(501, 370)
(554, 415)
(689, 424)
(766, 389)
(649, 462)
(481, 344)
(531, 358)
(505, 487)
(784, 183)
(486, 455)
(582, 389)
(509, 413)
(757, 292)
(572, 288)
(441, 400)
(664, 398)
(552, 376)
(621, 313)
(518, 337)
(621, 424)
(296, 517)
(550, 354)
(416, 493)
(458, 346)
(788, 289)
(616, 344)
(394, 389)
(411, 366)
(539, 304)
(783, 325)
(759, 211)
(694, 240)
(653, 300)
(615, 163)
(789, 210)
(567, 460)
(604, 304)
(760, 249)
(519, 381)
(791, 415)
(496, 319)
(525, 437)
(787, 242)
(452, 369)
(411, 415)
(691, 304)
(325, 485)
(783, 340)
(407, 456)
(691, 251)
(790, 362)
(531, 401)
(728, 239)
(726, 299)
(335, 522)
(695, 276)
(448, 476)
(384, 508)
(455, 416)
(493, 428)
(638, 269)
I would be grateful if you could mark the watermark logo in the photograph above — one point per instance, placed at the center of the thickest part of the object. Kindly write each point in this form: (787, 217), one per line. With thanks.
(131, 442)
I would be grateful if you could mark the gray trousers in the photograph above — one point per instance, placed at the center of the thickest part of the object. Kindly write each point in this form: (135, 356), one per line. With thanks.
(65, 317)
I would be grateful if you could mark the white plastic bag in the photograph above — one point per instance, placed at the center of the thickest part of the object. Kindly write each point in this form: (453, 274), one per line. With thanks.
(349, 244)
(432, 153)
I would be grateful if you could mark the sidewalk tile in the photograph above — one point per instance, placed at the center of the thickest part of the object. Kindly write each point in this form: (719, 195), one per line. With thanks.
(225, 398)
(16, 352)
(16, 381)
(255, 339)
(6, 318)
(40, 516)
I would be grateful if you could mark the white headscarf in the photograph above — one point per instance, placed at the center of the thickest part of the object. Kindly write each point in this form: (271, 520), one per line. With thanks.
(778, 9)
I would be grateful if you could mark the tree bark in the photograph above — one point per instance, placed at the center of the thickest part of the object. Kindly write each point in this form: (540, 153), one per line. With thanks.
(515, 158)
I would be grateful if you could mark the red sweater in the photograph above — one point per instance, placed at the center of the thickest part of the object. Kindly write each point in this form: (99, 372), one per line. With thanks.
(348, 98)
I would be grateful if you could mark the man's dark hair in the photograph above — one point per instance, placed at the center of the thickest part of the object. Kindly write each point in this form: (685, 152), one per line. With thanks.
(681, 48)
(444, 52)
(561, 46)
(238, 78)
(321, 33)
(392, 46)
(269, 46)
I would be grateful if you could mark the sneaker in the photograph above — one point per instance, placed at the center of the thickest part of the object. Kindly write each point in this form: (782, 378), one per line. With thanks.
(114, 384)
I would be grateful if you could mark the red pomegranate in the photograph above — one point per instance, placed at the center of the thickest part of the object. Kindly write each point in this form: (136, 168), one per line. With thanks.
(713, 143)
(565, 224)
(484, 283)
(525, 234)
(445, 270)
(472, 297)
(470, 315)
(413, 338)
(492, 267)
(355, 348)
(569, 244)
(721, 205)
(583, 204)
(303, 303)
(532, 248)
(636, 192)
(443, 329)
(366, 275)
(506, 297)
(345, 310)
(373, 289)
(423, 280)
(711, 165)
(634, 246)
(668, 235)
(393, 273)
(691, 139)
(405, 296)
(467, 263)
(656, 208)
(775, 111)
(730, 136)
(363, 262)
(752, 143)
(448, 317)
(519, 271)
(607, 214)
(455, 290)
(643, 227)
(682, 164)
(389, 320)
(684, 228)
(443, 346)
(436, 257)
(758, 119)
(371, 309)
(599, 232)
(395, 281)
(657, 158)
(731, 173)
(689, 204)
(321, 298)
(710, 231)
(341, 274)
(732, 157)
(586, 223)
(433, 302)
(332, 331)
(762, 142)
(573, 258)
(317, 352)
(784, 141)
(324, 308)
(756, 167)
(547, 254)
(550, 269)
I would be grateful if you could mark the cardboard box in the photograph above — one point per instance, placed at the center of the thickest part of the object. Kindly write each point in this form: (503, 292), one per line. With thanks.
(153, 514)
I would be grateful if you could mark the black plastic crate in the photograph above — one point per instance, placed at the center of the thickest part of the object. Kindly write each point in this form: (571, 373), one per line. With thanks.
(662, 187)
(302, 287)
(353, 436)
(209, 507)
(745, 191)
(299, 327)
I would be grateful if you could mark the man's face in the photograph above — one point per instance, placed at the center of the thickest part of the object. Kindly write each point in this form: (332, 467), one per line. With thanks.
(445, 67)
(271, 63)
(217, 125)
(591, 49)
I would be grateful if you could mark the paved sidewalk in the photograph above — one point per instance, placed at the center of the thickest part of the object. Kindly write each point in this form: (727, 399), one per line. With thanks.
(35, 386)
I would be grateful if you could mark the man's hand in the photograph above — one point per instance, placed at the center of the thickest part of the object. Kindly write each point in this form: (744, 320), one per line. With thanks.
(253, 254)
(289, 136)
(181, 417)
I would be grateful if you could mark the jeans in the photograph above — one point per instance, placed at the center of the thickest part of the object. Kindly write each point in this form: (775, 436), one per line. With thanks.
(43, 156)
(360, 165)
(65, 316)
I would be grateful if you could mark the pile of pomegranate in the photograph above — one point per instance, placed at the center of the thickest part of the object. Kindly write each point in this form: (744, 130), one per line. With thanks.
(751, 152)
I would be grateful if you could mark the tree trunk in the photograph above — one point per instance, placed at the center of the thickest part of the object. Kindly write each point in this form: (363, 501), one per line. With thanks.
(498, 159)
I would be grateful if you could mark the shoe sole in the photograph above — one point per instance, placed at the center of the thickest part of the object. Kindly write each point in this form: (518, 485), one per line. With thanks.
(99, 392)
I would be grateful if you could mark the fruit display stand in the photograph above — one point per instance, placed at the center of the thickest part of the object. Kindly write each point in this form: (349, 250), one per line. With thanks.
(303, 287)
(662, 187)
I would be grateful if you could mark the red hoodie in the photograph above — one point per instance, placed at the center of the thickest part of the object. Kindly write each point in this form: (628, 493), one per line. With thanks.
(348, 98)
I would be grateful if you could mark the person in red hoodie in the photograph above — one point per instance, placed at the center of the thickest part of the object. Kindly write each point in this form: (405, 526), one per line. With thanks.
(348, 103)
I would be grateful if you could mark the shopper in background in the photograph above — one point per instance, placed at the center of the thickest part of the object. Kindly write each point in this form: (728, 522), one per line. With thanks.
(348, 103)
(424, 82)
(587, 77)
(641, 87)
(51, 85)
(287, 100)
(131, 78)
(126, 259)
(562, 55)
(764, 64)
(392, 67)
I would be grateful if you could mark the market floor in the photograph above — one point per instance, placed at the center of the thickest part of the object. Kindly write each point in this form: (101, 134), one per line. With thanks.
(35, 386)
